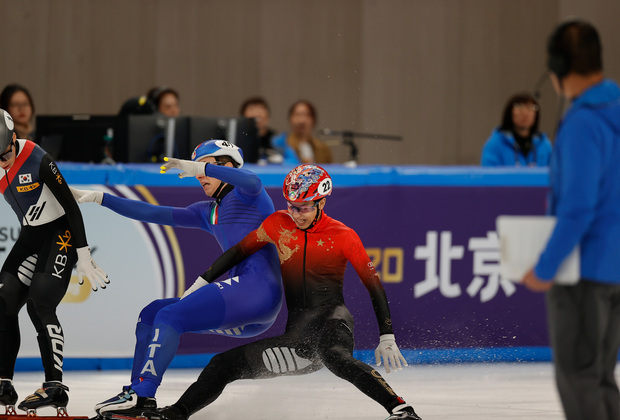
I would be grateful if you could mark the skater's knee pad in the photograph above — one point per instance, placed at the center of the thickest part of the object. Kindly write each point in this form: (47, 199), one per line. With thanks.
(150, 311)
(172, 318)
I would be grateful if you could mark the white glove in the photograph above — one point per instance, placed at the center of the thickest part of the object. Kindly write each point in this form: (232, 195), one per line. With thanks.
(388, 351)
(87, 267)
(188, 168)
(87, 196)
(200, 282)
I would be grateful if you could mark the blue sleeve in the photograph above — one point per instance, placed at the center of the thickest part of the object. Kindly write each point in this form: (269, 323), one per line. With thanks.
(575, 188)
(150, 213)
(193, 216)
(490, 152)
(246, 182)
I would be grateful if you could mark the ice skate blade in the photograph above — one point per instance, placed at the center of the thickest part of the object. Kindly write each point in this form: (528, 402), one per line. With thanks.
(37, 417)
(10, 410)
(113, 416)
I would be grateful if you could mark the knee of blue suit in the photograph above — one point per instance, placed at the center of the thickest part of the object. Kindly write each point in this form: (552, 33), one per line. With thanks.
(148, 313)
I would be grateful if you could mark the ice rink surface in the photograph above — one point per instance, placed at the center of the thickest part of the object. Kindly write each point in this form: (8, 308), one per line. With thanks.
(442, 392)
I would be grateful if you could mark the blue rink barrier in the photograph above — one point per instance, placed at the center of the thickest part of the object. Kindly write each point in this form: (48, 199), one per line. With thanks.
(272, 176)
(413, 357)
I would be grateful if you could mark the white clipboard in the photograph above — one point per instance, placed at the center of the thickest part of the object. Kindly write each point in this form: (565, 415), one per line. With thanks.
(522, 239)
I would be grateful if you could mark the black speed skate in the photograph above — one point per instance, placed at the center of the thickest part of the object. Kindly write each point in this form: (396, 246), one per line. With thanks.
(8, 396)
(404, 412)
(143, 406)
(51, 394)
(166, 413)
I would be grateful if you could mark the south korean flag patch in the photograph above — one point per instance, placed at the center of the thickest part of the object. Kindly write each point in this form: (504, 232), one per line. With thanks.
(25, 178)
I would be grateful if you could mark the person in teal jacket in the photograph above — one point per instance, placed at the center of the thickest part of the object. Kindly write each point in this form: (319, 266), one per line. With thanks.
(517, 141)
(584, 318)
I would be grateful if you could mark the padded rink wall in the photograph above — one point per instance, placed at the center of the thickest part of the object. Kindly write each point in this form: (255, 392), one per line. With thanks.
(430, 232)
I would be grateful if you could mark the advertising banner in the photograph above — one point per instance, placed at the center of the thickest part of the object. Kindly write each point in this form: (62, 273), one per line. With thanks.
(435, 248)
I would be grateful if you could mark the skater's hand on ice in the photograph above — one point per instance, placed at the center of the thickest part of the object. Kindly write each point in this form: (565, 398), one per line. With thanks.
(87, 196)
(388, 351)
(188, 168)
(87, 267)
(200, 282)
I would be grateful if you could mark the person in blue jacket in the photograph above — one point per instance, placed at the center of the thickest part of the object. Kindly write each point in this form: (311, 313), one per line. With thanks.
(517, 141)
(584, 319)
(245, 305)
(300, 145)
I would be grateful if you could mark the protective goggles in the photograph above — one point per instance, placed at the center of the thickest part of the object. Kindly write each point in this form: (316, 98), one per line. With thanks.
(4, 157)
(301, 209)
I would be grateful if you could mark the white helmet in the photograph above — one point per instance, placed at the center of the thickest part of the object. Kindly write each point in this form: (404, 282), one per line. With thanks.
(6, 130)
(218, 148)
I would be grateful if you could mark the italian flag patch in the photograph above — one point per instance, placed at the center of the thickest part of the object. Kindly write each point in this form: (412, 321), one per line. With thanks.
(214, 212)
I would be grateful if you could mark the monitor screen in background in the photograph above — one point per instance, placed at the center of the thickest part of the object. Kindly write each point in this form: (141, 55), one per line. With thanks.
(240, 131)
(75, 138)
(147, 137)
(139, 138)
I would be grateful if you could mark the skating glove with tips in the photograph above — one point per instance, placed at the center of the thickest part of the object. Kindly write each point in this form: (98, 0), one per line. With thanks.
(188, 168)
(87, 196)
(389, 352)
(87, 267)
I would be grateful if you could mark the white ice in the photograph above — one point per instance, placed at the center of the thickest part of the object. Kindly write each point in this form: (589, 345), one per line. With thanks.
(443, 392)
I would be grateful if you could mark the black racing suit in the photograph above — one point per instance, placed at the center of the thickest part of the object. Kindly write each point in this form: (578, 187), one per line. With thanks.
(38, 268)
(319, 329)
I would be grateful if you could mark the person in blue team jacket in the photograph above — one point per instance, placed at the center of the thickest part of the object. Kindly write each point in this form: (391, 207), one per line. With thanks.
(584, 319)
(517, 141)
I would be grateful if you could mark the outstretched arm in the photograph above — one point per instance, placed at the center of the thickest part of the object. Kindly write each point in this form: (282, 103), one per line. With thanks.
(387, 348)
(190, 216)
(86, 266)
(245, 181)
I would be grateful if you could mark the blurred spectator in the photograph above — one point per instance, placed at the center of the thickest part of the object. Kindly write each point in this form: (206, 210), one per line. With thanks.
(300, 146)
(517, 142)
(257, 107)
(166, 101)
(17, 101)
(137, 105)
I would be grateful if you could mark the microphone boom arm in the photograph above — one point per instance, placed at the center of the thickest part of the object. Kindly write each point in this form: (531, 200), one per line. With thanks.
(349, 136)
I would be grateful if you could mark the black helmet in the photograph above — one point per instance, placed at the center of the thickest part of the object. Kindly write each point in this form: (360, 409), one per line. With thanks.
(6, 130)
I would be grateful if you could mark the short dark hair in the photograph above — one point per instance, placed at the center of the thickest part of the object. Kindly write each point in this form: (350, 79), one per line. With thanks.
(575, 46)
(155, 94)
(254, 100)
(519, 98)
(307, 103)
(9, 91)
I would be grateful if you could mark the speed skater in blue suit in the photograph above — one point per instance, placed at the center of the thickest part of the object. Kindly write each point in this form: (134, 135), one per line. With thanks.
(245, 305)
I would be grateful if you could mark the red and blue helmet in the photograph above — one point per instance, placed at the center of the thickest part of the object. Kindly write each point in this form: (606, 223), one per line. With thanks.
(307, 183)
(218, 148)
(6, 130)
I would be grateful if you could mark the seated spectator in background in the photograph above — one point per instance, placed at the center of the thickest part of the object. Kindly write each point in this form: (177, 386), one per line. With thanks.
(166, 101)
(300, 146)
(137, 105)
(517, 142)
(17, 101)
(256, 107)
